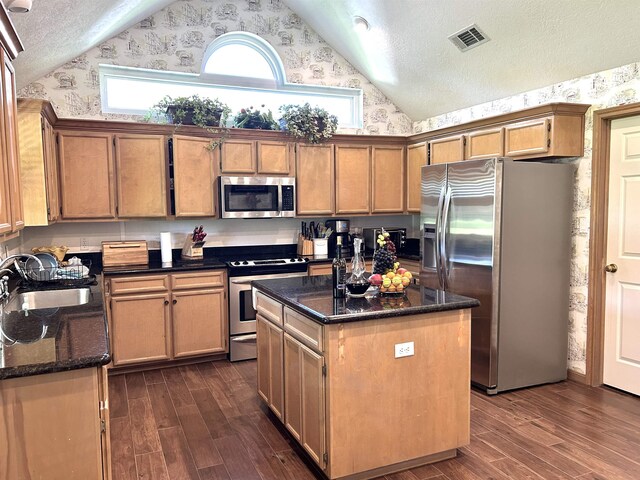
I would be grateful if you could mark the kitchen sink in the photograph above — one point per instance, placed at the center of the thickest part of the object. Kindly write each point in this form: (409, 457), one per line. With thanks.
(39, 299)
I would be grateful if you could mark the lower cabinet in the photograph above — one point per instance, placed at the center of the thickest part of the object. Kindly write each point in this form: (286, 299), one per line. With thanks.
(163, 317)
(55, 426)
(270, 374)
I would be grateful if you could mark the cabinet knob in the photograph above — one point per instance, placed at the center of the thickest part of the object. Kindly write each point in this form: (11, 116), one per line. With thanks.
(611, 268)
(166, 302)
(175, 301)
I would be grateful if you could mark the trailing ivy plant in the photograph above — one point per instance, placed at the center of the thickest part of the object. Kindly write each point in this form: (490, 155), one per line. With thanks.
(209, 114)
(312, 124)
(255, 119)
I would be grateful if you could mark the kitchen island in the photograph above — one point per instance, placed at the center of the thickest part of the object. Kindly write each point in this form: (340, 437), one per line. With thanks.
(369, 385)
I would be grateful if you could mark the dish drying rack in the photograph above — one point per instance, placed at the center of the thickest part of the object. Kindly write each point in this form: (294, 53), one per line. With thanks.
(54, 276)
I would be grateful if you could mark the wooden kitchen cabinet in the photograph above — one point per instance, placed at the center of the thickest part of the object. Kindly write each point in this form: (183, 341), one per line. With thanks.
(38, 162)
(387, 179)
(154, 318)
(194, 177)
(250, 157)
(353, 173)
(315, 179)
(270, 344)
(141, 175)
(485, 144)
(445, 150)
(87, 186)
(140, 328)
(55, 426)
(416, 159)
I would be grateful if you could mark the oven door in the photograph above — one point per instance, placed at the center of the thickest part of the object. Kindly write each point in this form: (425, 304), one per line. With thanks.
(250, 197)
(242, 315)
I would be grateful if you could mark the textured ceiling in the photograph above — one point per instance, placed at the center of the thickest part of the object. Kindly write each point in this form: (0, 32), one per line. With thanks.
(406, 53)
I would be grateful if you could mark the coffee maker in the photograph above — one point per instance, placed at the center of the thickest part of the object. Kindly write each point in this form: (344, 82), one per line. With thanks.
(340, 228)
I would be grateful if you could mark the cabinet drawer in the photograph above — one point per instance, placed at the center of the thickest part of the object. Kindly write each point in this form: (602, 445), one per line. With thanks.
(269, 308)
(180, 281)
(139, 284)
(304, 329)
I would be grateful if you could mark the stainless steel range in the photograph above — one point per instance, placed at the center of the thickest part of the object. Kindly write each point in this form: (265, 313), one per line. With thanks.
(242, 315)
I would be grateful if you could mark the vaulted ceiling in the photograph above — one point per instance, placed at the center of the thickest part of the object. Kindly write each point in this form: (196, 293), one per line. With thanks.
(405, 53)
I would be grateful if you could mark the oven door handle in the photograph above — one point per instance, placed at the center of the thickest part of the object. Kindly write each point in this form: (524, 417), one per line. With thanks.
(251, 338)
(242, 282)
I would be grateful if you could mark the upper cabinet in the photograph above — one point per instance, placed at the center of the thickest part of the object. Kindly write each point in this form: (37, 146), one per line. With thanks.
(194, 176)
(141, 175)
(315, 179)
(387, 179)
(353, 170)
(38, 162)
(11, 209)
(249, 157)
(553, 130)
(416, 159)
(87, 184)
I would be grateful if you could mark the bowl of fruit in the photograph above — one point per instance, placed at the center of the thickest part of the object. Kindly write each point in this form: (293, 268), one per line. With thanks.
(388, 276)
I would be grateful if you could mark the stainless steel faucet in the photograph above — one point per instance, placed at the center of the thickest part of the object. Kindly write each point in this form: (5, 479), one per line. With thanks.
(5, 263)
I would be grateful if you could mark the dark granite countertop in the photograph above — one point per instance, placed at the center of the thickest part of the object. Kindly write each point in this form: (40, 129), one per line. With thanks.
(54, 339)
(156, 266)
(313, 297)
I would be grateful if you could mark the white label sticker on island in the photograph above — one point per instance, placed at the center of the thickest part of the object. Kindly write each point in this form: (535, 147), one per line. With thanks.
(404, 349)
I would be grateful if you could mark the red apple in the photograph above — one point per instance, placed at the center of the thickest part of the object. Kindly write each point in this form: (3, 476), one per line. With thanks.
(375, 279)
(401, 271)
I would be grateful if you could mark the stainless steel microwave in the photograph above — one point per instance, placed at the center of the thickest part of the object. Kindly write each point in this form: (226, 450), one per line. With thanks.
(257, 197)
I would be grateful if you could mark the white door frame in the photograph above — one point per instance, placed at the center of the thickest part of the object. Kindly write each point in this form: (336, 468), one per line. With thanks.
(598, 237)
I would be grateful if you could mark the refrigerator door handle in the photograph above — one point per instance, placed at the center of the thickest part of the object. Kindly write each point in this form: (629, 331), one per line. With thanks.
(444, 257)
(439, 237)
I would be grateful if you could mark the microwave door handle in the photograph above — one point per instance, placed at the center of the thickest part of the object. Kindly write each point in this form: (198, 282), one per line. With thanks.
(279, 199)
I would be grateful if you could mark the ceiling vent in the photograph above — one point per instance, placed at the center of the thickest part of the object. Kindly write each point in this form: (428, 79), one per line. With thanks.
(469, 38)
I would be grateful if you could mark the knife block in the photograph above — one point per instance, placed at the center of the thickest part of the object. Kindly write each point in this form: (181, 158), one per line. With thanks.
(192, 250)
(305, 247)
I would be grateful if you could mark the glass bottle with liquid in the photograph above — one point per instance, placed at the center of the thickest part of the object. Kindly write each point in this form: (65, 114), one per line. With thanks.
(339, 271)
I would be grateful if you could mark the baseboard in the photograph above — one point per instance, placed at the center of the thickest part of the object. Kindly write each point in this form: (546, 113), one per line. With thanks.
(576, 377)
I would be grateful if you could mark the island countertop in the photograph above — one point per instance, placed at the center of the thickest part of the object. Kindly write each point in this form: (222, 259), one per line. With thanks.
(54, 339)
(313, 297)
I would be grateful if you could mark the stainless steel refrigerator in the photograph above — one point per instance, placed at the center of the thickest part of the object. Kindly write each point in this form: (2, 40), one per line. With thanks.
(499, 231)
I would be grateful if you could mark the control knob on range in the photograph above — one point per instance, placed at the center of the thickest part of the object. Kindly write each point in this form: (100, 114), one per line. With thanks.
(245, 263)
(235, 263)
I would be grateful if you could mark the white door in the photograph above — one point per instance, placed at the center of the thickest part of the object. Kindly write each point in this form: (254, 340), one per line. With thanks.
(622, 310)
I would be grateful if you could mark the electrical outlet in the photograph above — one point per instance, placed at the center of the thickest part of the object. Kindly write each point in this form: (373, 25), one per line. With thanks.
(84, 243)
(404, 349)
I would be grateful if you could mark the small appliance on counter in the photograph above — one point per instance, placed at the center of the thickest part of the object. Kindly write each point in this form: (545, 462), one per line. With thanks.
(397, 235)
(339, 228)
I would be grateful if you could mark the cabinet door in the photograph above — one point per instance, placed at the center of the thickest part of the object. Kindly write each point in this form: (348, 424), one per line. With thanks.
(270, 365)
(304, 397)
(445, 150)
(274, 158)
(238, 156)
(199, 320)
(141, 175)
(416, 159)
(140, 330)
(353, 171)
(86, 175)
(11, 145)
(49, 423)
(527, 138)
(194, 177)
(51, 171)
(314, 179)
(387, 180)
(5, 175)
(485, 144)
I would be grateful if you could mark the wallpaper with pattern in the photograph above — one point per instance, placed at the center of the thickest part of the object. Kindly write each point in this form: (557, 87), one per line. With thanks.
(602, 90)
(176, 38)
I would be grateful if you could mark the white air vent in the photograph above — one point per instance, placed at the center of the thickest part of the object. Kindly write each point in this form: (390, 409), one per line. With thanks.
(468, 38)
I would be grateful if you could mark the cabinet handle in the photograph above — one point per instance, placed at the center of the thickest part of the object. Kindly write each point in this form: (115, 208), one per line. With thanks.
(175, 301)
(166, 302)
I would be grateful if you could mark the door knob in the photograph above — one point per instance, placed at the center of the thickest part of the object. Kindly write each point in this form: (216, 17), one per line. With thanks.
(611, 268)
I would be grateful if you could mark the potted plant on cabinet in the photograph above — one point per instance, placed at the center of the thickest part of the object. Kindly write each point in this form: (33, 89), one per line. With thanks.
(255, 119)
(313, 124)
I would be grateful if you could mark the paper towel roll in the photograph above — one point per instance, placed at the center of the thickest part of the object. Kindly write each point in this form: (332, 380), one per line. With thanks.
(165, 247)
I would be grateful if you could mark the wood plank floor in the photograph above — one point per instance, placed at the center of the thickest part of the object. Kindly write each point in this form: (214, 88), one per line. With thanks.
(204, 422)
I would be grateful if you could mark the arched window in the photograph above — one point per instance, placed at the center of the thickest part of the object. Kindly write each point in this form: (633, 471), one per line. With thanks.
(239, 68)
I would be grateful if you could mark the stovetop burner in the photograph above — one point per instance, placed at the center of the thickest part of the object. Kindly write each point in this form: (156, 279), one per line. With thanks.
(267, 266)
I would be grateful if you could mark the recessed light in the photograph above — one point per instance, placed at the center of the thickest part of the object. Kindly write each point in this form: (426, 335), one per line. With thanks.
(19, 6)
(360, 25)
